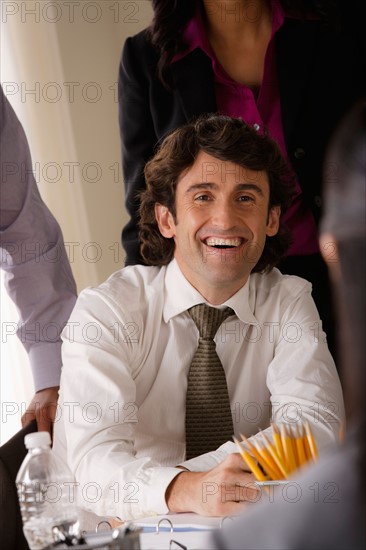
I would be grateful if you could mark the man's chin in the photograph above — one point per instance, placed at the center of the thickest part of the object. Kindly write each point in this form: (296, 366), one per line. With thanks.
(226, 272)
(213, 256)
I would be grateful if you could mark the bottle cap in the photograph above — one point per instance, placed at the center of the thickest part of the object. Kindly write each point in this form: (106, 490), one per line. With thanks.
(37, 439)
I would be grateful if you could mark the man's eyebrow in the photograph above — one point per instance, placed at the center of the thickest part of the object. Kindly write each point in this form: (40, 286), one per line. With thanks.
(239, 187)
(199, 186)
(250, 187)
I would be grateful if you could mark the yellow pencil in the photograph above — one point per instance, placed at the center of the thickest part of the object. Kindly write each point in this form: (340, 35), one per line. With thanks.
(249, 460)
(278, 443)
(261, 461)
(309, 457)
(311, 441)
(277, 460)
(287, 446)
(290, 431)
(270, 466)
(300, 446)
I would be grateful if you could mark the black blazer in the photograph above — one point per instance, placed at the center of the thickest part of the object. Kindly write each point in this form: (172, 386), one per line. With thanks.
(320, 74)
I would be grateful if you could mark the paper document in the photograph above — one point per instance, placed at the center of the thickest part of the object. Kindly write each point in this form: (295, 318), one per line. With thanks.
(171, 530)
(192, 540)
(179, 522)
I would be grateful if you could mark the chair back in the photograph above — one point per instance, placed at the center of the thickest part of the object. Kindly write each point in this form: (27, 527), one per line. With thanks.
(12, 454)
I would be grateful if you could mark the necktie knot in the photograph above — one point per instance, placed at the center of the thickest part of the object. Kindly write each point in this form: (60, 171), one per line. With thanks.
(208, 319)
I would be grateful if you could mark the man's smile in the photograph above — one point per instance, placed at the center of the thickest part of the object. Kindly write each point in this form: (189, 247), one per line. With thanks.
(222, 242)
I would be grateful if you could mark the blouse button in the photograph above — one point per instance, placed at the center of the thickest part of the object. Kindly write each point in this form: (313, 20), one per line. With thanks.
(299, 153)
(318, 201)
(256, 127)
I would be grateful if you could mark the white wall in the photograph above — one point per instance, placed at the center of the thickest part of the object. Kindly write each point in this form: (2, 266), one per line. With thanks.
(73, 134)
(68, 54)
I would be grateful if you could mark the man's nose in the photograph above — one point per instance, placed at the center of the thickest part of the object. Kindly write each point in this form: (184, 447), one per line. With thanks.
(223, 215)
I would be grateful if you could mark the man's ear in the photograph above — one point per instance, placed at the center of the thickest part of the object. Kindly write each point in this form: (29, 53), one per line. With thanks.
(273, 222)
(165, 221)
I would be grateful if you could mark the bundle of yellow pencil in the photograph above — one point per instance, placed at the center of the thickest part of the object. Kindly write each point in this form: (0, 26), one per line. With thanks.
(290, 449)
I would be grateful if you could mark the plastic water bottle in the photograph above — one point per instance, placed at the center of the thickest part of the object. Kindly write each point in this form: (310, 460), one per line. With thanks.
(45, 490)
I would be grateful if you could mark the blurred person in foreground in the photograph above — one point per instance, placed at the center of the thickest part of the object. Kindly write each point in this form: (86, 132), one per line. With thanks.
(330, 507)
(38, 275)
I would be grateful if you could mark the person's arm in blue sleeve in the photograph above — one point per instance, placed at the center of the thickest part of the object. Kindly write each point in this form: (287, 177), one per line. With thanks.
(38, 276)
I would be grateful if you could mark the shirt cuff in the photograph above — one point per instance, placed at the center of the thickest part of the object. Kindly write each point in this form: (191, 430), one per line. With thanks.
(206, 462)
(148, 500)
(45, 362)
(156, 489)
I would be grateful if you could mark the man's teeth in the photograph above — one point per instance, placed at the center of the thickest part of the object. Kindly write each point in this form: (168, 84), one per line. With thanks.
(214, 241)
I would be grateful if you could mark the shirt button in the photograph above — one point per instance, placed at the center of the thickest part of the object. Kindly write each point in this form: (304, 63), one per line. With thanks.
(318, 201)
(256, 127)
(299, 153)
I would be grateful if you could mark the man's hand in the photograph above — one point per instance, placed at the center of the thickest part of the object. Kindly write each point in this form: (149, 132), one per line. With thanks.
(221, 491)
(43, 409)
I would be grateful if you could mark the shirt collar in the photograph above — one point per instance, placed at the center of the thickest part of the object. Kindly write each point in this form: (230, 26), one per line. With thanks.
(195, 37)
(180, 295)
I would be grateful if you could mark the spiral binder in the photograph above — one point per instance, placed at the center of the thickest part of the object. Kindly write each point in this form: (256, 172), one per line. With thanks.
(124, 538)
(162, 533)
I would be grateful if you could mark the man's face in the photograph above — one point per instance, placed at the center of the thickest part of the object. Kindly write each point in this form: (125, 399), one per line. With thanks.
(222, 221)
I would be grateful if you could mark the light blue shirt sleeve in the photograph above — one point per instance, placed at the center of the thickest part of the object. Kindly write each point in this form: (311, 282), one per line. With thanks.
(38, 276)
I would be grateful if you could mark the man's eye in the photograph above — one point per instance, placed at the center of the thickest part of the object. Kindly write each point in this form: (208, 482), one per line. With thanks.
(245, 198)
(202, 198)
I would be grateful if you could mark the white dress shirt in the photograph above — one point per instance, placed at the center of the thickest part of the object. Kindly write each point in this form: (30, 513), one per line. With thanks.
(126, 356)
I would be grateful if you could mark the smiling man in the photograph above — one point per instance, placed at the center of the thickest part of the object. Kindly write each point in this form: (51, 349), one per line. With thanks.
(205, 341)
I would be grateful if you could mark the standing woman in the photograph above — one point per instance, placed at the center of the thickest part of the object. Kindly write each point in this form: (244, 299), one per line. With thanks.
(281, 65)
